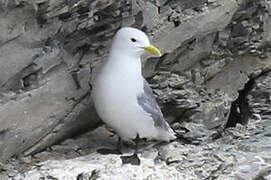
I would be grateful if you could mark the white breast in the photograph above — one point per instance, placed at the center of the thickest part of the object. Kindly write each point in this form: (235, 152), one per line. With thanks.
(115, 91)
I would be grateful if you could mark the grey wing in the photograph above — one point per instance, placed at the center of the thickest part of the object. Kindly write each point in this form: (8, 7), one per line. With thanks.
(148, 103)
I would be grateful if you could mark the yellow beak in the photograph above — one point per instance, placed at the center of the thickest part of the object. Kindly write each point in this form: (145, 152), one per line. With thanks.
(154, 50)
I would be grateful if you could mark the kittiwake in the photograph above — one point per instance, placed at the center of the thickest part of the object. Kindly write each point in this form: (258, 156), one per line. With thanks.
(122, 97)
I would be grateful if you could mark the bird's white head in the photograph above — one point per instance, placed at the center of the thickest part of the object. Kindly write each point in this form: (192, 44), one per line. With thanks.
(133, 42)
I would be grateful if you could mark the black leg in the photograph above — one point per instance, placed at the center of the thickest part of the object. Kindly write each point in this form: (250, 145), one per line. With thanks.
(119, 144)
(133, 159)
(111, 151)
(136, 141)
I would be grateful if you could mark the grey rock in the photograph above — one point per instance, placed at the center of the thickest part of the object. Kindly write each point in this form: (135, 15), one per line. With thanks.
(239, 68)
(240, 29)
(49, 50)
(259, 97)
(239, 154)
(186, 4)
(167, 41)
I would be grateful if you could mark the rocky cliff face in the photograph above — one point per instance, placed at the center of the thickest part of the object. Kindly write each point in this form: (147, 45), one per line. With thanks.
(213, 75)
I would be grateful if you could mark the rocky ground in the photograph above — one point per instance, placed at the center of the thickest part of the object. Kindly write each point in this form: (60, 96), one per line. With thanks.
(212, 82)
(240, 152)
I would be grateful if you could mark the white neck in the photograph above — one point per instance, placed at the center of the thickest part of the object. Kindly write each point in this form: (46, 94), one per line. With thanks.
(125, 63)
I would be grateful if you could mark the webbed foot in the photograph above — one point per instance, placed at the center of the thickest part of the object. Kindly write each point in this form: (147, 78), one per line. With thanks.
(134, 160)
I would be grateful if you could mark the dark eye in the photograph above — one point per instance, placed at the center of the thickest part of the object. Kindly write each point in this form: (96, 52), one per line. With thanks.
(133, 39)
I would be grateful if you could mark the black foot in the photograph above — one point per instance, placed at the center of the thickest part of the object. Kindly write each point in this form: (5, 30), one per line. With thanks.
(183, 139)
(134, 160)
(109, 151)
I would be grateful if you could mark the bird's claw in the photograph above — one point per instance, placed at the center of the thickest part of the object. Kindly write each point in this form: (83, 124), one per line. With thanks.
(134, 160)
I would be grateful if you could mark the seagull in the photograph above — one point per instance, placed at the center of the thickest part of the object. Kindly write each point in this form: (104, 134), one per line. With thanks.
(123, 98)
